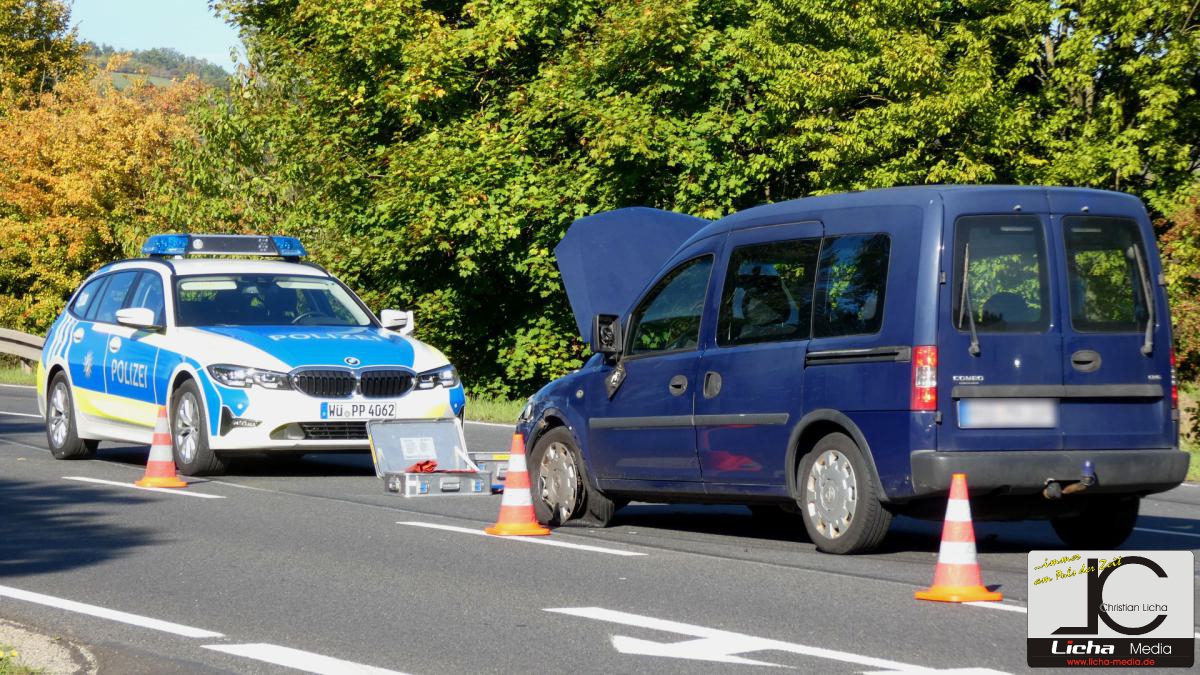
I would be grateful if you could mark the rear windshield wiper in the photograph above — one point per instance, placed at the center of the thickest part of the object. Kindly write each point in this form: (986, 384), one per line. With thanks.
(1148, 291)
(965, 306)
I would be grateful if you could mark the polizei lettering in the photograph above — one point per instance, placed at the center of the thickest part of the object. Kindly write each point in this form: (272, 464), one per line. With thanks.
(358, 337)
(128, 374)
(1071, 647)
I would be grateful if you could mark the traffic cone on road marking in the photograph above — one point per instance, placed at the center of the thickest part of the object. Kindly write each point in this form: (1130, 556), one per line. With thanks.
(516, 507)
(160, 468)
(956, 578)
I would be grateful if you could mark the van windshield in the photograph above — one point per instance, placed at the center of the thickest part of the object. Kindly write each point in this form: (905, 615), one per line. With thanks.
(1106, 289)
(265, 300)
(1006, 279)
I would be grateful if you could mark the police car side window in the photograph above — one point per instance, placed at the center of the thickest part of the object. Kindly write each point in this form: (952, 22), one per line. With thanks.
(86, 300)
(669, 317)
(851, 281)
(113, 296)
(768, 292)
(149, 294)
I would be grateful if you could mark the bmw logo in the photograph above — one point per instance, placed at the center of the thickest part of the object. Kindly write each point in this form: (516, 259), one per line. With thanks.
(351, 361)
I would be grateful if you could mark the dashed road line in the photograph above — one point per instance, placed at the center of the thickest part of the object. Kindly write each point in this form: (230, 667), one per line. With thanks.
(19, 444)
(17, 414)
(1007, 607)
(106, 613)
(527, 540)
(169, 491)
(491, 424)
(299, 659)
(1181, 534)
(18, 386)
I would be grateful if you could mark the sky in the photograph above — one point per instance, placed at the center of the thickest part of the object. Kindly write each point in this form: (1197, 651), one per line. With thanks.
(184, 25)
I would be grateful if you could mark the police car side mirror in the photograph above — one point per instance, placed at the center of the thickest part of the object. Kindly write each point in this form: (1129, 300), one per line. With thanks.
(606, 335)
(397, 320)
(137, 317)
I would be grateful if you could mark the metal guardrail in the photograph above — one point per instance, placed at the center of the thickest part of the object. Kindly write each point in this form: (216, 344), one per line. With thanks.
(21, 345)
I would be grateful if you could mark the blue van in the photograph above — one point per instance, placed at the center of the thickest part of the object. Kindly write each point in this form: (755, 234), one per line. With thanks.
(842, 356)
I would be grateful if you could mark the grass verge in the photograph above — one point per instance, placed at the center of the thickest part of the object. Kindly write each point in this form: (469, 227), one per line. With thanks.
(14, 375)
(10, 663)
(493, 410)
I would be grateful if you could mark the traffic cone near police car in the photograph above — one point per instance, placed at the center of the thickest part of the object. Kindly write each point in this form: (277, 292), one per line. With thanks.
(516, 507)
(957, 578)
(160, 468)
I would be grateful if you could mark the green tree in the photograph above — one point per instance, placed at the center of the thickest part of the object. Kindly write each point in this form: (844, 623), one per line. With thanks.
(38, 47)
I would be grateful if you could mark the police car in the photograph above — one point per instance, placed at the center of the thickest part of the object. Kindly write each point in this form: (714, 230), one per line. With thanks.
(248, 354)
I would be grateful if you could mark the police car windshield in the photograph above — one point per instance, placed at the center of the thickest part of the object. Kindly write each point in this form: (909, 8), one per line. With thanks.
(265, 300)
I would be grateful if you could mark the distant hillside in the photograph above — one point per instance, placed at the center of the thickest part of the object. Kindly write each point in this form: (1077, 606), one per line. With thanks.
(161, 65)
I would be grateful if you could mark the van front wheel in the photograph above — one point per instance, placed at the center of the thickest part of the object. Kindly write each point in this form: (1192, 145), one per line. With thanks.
(1105, 523)
(838, 498)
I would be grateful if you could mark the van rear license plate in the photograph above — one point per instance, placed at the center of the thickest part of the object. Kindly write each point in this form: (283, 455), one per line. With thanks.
(1007, 413)
(350, 411)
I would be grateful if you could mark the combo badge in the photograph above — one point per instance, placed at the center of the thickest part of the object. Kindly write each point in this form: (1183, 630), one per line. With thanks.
(1111, 609)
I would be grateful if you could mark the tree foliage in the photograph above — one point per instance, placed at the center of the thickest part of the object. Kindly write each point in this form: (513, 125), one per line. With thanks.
(37, 47)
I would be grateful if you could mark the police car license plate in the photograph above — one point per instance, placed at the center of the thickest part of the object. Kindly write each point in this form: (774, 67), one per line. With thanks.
(358, 411)
(1007, 413)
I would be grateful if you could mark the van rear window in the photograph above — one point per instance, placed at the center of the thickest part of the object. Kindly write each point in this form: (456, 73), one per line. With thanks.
(1000, 261)
(1105, 265)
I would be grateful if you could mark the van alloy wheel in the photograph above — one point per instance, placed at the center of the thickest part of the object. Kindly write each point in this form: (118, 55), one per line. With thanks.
(558, 481)
(832, 494)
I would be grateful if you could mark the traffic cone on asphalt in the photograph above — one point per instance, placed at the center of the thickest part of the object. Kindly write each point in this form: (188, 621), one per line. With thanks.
(160, 468)
(516, 507)
(956, 578)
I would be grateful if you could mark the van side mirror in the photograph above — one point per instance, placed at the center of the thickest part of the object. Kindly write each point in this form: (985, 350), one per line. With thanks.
(606, 335)
(397, 320)
(141, 318)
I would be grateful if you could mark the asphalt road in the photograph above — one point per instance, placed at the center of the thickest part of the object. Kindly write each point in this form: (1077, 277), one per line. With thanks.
(310, 563)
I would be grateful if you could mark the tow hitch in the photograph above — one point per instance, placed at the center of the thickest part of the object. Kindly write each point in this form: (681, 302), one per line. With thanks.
(1055, 489)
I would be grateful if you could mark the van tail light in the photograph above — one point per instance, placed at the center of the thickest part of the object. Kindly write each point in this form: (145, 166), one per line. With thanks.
(1174, 384)
(924, 378)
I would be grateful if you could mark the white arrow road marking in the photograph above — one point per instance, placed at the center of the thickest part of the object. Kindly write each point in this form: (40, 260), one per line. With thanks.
(300, 659)
(723, 646)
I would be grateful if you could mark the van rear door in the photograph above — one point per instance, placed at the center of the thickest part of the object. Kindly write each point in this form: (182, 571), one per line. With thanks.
(1116, 371)
(1000, 358)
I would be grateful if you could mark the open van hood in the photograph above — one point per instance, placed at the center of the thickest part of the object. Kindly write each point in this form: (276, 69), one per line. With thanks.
(606, 259)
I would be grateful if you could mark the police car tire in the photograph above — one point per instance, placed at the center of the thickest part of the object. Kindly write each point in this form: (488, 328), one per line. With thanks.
(596, 509)
(205, 462)
(73, 447)
(871, 519)
(1104, 523)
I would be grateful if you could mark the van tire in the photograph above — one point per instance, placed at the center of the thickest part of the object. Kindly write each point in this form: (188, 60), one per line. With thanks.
(842, 459)
(187, 413)
(1104, 523)
(592, 508)
(70, 445)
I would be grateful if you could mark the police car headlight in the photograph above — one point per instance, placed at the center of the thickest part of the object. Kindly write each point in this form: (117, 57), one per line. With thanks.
(241, 376)
(446, 376)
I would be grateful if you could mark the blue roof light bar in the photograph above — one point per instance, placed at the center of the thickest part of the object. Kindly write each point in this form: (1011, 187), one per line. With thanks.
(223, 244)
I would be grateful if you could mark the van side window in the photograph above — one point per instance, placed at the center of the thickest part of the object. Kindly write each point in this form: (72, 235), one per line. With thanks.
(1006, 276)
(851, 280)
(1105, 263)
(668, 319)
(768, 292)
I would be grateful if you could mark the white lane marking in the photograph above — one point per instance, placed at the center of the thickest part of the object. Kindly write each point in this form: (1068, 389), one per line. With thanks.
(300, 659)
(17, 414)
(999, 605)
(19, 386)
(721, 645)
(492, 424)
(1181, 534)
(19, 444)
(527, 540)
(170, 491)
(105, 613)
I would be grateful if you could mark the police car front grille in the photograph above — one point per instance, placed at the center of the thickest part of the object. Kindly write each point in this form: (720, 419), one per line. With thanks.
(385, 383)
(325, 383)
(334, 431)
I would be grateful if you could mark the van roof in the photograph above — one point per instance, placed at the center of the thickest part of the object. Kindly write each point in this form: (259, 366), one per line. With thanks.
(917, 195)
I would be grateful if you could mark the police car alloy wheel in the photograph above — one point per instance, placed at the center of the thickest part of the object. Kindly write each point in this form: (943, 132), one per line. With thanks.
(61, 434)
(838, 498)
(193, 456)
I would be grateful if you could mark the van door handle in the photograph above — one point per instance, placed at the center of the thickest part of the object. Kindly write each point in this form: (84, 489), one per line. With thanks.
(678, 385)
(712, 384)
(1085, 361)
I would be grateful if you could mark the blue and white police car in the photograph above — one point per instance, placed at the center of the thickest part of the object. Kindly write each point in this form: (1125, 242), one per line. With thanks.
(249, 354)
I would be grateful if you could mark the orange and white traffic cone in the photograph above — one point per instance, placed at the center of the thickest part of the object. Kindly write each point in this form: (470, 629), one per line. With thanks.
(957, 578)
(516, 507)
(160, 468)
